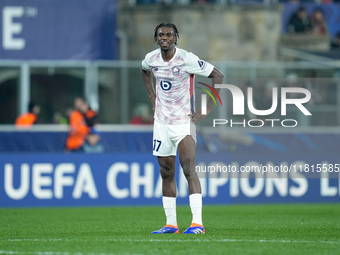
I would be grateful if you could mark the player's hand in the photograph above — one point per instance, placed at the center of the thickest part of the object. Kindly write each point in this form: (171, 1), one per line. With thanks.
(198, 116)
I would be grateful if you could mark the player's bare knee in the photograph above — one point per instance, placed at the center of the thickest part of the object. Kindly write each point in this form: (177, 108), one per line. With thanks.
(167, 172)
(189, 174)
(186, 163)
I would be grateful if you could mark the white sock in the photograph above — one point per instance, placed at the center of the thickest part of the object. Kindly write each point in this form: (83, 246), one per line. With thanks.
(195, 201)
(169, 205)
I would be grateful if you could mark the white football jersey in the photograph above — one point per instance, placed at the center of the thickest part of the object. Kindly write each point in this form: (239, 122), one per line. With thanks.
(175, 97)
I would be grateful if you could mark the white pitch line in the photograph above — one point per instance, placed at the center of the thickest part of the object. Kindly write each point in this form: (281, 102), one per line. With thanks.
(222, 240)
(173, 240)
(52, 253)
(39, 240)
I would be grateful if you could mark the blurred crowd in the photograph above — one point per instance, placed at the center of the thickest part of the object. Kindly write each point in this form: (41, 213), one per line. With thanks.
(299, 22)
(303, 23)
(82, 134)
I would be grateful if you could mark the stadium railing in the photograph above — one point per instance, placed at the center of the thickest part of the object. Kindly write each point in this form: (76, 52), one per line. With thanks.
(115, 88)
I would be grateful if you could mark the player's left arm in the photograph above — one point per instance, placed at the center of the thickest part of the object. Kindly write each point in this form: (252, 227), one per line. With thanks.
(217, 78)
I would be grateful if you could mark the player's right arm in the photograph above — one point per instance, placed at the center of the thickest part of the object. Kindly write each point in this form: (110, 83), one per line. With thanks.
(147, 80)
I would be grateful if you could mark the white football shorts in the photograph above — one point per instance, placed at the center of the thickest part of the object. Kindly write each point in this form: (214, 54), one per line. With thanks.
(167, 137)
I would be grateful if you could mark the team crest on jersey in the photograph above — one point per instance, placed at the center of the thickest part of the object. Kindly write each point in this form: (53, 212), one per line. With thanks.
(175, 70)
(201, 63)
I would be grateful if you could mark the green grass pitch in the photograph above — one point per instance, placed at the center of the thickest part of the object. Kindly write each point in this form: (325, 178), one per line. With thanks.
(237, 229)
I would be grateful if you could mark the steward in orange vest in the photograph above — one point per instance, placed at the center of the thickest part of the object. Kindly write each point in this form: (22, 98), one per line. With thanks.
(81, 121)
(30, 118)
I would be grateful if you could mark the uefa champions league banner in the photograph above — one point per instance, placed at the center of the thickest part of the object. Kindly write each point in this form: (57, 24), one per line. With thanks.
(28, 180)
(56, 30)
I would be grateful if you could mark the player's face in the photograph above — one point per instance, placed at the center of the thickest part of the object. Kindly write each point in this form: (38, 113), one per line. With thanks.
(166, 38)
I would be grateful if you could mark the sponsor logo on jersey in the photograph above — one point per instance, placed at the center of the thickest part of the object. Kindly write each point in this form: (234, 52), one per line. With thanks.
(201, 63)
(165, 85)
(175, 70)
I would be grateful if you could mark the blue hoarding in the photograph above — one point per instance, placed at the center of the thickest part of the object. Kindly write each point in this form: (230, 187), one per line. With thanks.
(55, 30)
(133, 179)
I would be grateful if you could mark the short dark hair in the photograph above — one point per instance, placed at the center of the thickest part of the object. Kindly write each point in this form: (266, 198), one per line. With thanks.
(31, 105)
(317, 9)
(166, 25)
(301, 9)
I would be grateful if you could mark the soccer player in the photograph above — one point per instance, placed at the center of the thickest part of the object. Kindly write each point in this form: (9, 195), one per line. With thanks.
(175, 115)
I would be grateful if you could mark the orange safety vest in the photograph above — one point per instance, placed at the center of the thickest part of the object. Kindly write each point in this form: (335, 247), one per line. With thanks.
(78, 130)
(27, 119)
(90, 114)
